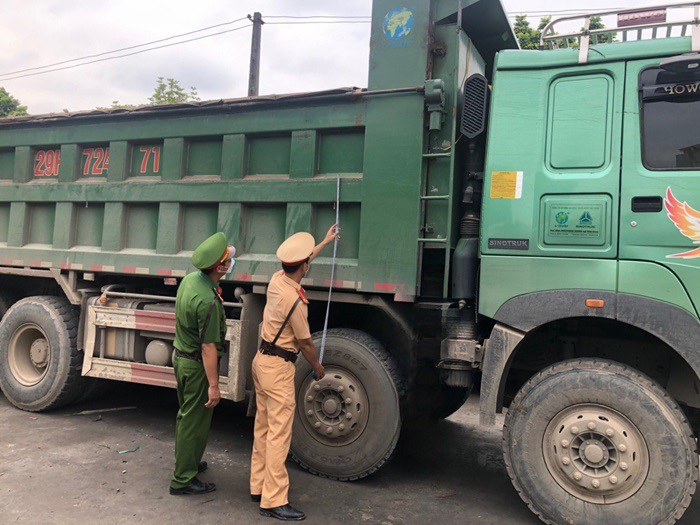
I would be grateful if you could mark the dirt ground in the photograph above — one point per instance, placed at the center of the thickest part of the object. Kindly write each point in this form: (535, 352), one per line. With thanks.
(60, 468)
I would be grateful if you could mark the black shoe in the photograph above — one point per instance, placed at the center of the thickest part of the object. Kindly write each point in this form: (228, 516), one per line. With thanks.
(256, 498)
(195, 487)
(284, 513)
(203, 465)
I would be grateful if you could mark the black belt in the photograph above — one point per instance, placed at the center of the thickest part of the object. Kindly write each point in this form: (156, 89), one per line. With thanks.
(270, 349)
(194, 356)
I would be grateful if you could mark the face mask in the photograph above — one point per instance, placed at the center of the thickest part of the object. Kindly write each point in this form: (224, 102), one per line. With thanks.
(230, 268)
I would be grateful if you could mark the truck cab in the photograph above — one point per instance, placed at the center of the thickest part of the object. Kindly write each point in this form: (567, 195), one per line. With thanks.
(590, 266)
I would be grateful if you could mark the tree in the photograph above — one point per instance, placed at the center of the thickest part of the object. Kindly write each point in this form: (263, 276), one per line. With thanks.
(528, 37)
(10, 106)
(601, 38)
(117, 105)
(169, 91)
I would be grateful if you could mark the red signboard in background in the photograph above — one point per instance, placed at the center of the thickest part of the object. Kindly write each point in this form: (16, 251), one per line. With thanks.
(634, 18)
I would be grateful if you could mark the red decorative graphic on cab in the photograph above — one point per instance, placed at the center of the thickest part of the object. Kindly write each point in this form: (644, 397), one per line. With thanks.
(687, 220)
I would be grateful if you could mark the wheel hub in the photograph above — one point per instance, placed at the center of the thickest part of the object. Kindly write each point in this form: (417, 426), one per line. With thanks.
(39, 352)
(29, 354)
(331, 407)
(596, 453)
(334, 409)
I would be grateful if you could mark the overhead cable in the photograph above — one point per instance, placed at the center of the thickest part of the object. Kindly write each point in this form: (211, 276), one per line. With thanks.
(124, 55)
(123, 48)
(50, 68)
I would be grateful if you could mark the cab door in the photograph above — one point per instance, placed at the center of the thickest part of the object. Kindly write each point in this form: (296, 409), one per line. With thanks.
(659, 246)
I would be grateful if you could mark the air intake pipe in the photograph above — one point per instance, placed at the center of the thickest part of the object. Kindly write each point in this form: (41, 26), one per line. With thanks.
(472, 125)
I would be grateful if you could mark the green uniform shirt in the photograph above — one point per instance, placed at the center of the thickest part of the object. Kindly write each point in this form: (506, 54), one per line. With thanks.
(194, 296)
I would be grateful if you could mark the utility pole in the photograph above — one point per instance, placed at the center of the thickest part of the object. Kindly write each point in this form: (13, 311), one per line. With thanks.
(254, 76)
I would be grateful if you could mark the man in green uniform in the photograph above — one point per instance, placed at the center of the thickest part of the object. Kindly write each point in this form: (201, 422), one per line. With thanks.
(200, 329)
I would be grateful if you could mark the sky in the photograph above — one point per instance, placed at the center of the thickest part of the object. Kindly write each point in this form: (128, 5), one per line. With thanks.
(295, 57)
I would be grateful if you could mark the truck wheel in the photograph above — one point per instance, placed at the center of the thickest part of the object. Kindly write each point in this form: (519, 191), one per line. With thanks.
(592, 441)
(39, 362)
(346, 426)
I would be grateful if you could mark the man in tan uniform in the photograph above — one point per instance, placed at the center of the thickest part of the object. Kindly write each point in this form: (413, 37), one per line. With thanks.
(285, 333)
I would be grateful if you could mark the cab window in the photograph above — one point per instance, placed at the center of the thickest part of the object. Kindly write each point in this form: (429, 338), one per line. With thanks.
(670, 112)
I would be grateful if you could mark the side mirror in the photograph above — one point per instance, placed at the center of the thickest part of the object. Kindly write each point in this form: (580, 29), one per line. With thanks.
(476, 93)
(688, 63)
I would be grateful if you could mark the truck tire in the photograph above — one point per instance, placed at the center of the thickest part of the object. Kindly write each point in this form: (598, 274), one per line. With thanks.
(592, 441)
(346, 426)
(39, 363)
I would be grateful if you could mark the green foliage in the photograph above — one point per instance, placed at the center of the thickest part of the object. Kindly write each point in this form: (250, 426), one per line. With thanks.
(528, 37)
(543, 23)
(10, 106)
(117, 105)
(169, 91)
(604, 38)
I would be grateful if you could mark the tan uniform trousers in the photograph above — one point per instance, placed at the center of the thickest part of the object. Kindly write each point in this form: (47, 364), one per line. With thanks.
(274, 395)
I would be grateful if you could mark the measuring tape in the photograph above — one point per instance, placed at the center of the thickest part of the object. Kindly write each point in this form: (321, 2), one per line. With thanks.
(330, 288)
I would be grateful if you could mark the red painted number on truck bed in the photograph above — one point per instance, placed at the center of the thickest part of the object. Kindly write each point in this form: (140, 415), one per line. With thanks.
(47, 162)
(148, 153)
(96, 161)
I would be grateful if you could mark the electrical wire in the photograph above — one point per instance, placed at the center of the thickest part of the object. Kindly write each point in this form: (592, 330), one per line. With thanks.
(317, 16)
(329, 22)
(564, 11)
(49, 68)
(124, 55)
(297, 20)
(121, 49)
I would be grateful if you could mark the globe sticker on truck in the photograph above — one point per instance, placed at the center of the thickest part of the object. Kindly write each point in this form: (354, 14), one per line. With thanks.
(398, 23)
(687, 220)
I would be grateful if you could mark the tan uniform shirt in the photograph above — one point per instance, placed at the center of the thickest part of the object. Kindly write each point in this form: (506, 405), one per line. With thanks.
(282, 292)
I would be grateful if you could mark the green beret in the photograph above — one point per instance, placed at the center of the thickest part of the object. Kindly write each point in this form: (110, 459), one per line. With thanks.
(210, 251)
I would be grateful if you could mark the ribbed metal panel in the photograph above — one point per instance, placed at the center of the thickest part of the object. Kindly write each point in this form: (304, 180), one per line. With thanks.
(473, 120)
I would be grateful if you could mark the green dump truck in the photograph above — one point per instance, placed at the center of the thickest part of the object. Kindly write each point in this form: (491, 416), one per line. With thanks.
(526, 221)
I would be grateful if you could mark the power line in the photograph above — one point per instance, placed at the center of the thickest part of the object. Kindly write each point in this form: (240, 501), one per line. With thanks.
(310, 19)
(564, 11)
(329, 22)
(125, 55)
(573, 11)
(46, 68)
(121, 49)
(317, 16)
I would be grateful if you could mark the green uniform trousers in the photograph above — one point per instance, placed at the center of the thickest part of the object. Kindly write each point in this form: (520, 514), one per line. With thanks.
(193, 419)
